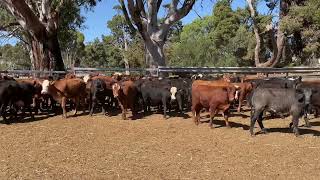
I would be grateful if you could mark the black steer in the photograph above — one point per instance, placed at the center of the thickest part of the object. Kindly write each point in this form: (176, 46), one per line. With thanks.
(158, 93)
(279, 100)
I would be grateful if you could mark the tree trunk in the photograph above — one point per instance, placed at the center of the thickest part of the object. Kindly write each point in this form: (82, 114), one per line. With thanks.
(55, 57)
(277, 43)
(154, 54)
(39, 56)
(46, 55)
(154, 34)
(125, 59)
(40, 26)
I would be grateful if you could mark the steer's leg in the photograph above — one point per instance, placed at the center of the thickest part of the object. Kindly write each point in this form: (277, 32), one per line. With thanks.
(164, 102)
(30, 111)
(263, 130)
(196, 114)
(306, 120)
(133, 109)
(225, 115)
(63, 106)
(123, 106)
(241, 97)
(212, 114)
(295, 122)
(93, 105)
(305, 117)
(254, 118)
(3, 113)
(76, 106)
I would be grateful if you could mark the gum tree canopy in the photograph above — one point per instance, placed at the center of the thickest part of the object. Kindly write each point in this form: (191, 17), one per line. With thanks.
(37, 23)
(144, 15)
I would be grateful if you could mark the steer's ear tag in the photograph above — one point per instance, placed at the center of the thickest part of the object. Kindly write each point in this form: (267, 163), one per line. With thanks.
(51, 82)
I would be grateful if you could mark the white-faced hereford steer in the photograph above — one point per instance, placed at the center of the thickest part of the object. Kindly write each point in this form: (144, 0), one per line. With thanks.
(64, 89)
(126, 94)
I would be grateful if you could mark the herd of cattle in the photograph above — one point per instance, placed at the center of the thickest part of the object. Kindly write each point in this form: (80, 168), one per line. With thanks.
(277, 96)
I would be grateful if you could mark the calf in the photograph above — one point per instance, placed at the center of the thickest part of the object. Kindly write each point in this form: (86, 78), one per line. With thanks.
(212, 98)
(278, 100)
(158, 93)
(245, 89)
(14, 94)
(36, 84)
(64, 89)
(126, 94)
(98, 93)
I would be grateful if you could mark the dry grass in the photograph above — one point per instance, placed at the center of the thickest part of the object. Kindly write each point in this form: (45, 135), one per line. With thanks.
(102, 147)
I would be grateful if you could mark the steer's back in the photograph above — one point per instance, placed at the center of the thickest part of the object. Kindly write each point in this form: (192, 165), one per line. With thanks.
(71, 87)
(277, 99)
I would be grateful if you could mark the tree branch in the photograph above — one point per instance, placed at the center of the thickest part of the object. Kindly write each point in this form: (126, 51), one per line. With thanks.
(176, 14)
(126, 16)
(5, 27)
(25, 16)
(137, 18)
(140, 6)
(159, 5)
(153, 13)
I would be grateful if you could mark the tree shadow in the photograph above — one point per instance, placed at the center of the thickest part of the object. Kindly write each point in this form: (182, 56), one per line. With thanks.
(238, 114)
(317, 123)
(28, 119)
(302, 131)
(178, 114)
(222, 123)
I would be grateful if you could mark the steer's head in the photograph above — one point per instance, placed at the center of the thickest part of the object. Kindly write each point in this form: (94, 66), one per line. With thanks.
(173, 91)
(116, 89)
(232, 93)
(45, 86)
(307, 95)
(86, 78)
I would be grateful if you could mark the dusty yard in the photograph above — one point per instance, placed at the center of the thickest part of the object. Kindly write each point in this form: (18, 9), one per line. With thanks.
(101, 147)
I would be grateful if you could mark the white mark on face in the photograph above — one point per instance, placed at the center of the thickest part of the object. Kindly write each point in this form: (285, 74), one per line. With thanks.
(173, 91)
(237, 95)
(86, 78)
(115, 90)
(45, 86)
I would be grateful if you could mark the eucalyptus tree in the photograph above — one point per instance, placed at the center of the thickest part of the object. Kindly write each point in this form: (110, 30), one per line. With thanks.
(37, 24)
(143, 16)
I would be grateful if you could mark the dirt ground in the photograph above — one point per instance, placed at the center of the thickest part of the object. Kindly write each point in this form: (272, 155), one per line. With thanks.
(101, 147)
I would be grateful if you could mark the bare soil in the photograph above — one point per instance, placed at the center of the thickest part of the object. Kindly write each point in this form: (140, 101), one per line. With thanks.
(101, 147)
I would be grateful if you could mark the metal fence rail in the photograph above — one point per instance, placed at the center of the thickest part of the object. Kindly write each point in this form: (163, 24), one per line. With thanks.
(240, 70)
(176, 70)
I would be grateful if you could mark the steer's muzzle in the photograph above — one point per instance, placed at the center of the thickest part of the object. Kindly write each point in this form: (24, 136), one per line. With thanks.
(44, 92)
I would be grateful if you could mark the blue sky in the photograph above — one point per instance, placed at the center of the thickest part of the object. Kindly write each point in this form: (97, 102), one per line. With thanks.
(96, 20)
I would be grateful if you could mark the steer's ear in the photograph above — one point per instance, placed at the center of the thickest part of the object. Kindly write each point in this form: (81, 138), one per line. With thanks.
(51, 82)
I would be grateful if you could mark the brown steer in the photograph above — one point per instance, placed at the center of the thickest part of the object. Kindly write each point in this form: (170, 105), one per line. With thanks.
(63, 89)
(126, 93)
(212, 98)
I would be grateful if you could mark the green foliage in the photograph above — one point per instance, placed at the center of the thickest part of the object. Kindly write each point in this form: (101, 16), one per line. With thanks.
(302, 24)
(102, 54)
(14, 57)
(217, 40)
